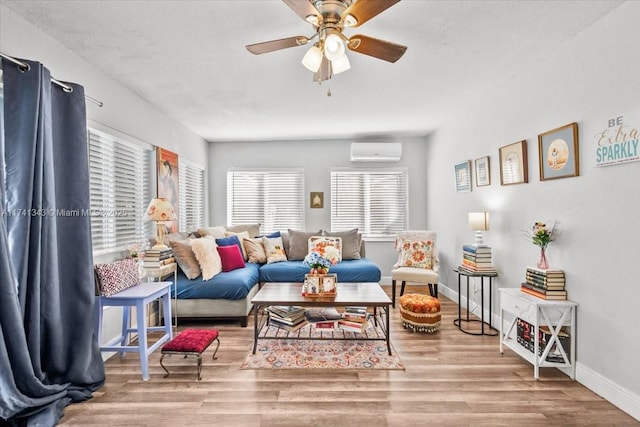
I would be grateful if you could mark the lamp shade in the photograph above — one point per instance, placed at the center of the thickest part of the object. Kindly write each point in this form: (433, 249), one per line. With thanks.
(160, 209)
(334, 47)
(341, 64)
(312, 59)
(478, 222)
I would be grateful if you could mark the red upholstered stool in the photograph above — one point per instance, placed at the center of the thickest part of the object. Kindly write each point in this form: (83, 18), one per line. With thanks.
(191, 342)
(420, 313)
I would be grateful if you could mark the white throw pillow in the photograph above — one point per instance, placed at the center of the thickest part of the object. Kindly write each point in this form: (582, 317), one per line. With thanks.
(207, 255)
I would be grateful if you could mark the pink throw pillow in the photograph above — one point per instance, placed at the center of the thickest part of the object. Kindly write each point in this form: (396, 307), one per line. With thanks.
(231, 257)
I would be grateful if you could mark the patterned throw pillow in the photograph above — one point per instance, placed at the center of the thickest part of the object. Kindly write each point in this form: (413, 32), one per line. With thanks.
(274, 248)
(327, 247)
(416, 253)
(117, 276)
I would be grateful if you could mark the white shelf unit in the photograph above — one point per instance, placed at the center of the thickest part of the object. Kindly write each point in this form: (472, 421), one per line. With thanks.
(538, 312)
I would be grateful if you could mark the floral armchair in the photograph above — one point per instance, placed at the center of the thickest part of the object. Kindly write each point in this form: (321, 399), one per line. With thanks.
(417, 261)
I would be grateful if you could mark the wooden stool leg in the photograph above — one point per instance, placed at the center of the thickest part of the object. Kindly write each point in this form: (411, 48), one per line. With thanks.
(402, 288)
(199, 366)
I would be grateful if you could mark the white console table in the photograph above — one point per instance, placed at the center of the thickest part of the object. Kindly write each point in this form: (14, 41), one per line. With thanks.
(538, 312)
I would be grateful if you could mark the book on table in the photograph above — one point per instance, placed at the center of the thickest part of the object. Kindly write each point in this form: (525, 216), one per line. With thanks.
(543, 295)
(327, 324)
(290, 314)
(542, 290)
(321, 314)
(288, 326)
(349, 325)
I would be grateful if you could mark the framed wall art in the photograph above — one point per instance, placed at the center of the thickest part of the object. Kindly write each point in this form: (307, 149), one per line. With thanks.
(513, 163)
(483, 173)
(167, 165)
(316, 199)
(558, 153)
(463, 176)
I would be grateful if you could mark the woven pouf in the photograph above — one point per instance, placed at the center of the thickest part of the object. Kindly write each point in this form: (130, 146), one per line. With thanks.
(421, 313)
(191, 342)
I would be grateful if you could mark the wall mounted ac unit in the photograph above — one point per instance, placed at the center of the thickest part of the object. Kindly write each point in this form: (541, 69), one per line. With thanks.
(376, 151)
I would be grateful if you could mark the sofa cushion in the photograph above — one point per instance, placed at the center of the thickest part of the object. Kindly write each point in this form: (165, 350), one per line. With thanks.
(328, 247)
(255, 250)
(355, 270)
(252, 229)
(230, 240)
(231, 257)
(205, 251)
(299, 244)
(215, 232)
(117, 276)
(416, 253)
(351, 242)
(274, 249)
(185, 258)
(241, 236)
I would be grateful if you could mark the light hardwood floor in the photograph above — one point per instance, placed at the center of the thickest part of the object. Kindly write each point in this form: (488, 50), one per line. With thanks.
(451, 378)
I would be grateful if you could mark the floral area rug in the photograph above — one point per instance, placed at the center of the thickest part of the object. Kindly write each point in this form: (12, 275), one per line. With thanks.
(283, 353)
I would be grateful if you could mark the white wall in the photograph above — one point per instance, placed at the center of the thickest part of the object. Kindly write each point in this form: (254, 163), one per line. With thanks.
(589, 80)
(123, 110)
(317, 158)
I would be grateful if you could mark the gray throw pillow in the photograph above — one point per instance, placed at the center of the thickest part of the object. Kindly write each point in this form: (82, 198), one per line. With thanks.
(351, 242)
(299, 244)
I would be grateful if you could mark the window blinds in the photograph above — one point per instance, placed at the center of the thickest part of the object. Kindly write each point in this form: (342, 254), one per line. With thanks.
(375, 202)
(273, 198)
(191, 196)
(120, 191)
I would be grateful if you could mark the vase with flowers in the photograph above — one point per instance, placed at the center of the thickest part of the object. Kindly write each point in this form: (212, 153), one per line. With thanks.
(542, 236)
(320, 263)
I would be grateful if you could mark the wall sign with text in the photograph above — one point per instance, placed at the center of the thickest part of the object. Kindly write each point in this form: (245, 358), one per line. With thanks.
(619, 142)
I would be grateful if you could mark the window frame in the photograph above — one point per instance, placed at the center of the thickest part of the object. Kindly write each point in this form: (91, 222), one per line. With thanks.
(269, 221)
(367, 217)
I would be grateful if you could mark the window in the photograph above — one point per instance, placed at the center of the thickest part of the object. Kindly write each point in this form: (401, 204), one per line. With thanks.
(191, 196)
(271, 197)
(119, 179)
(376, 202)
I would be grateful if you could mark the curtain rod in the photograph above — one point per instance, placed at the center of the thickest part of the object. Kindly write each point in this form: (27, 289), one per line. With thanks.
(65, 87)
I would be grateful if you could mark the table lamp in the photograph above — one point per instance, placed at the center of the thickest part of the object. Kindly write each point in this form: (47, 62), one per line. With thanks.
(159, 211)
(478, 222)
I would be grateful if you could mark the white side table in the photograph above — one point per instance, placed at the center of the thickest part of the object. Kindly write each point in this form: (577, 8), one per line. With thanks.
(137, 296)
(539, 312)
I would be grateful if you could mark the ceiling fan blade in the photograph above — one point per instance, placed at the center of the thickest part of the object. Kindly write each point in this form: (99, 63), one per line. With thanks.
(377, 48)
(365, 10)
(324, 72)
(272, 45)
(303, 8)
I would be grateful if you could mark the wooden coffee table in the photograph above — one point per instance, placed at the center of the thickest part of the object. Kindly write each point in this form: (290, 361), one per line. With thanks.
(368, 294)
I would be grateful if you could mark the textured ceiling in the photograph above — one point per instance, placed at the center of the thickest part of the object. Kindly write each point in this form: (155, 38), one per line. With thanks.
(188, 59)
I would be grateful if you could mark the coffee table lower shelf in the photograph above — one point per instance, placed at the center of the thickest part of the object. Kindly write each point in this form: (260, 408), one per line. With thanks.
(357, 294)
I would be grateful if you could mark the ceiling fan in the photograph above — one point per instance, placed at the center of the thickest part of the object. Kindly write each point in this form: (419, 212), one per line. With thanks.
(329, 18)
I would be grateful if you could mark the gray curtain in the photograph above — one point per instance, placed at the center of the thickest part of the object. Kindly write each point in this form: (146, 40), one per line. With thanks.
(49, 355)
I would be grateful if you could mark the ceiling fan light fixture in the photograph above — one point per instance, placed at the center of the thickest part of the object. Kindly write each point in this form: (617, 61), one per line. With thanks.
(340, 65)
(350, 21)
(334, 47)
(312, 58)
(312, 19)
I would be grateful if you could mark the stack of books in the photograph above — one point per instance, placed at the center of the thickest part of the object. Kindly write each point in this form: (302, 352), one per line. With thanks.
(545, 284)
(287, 317)
(154, 260)
(354, 319)
(323, 318)
(477, 259)
(525, 337)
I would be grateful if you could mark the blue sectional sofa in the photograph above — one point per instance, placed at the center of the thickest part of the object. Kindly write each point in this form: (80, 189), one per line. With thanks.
(229, 294)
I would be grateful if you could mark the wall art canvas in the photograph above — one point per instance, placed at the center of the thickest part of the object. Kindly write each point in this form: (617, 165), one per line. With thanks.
(558, 153)
(167, 165)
